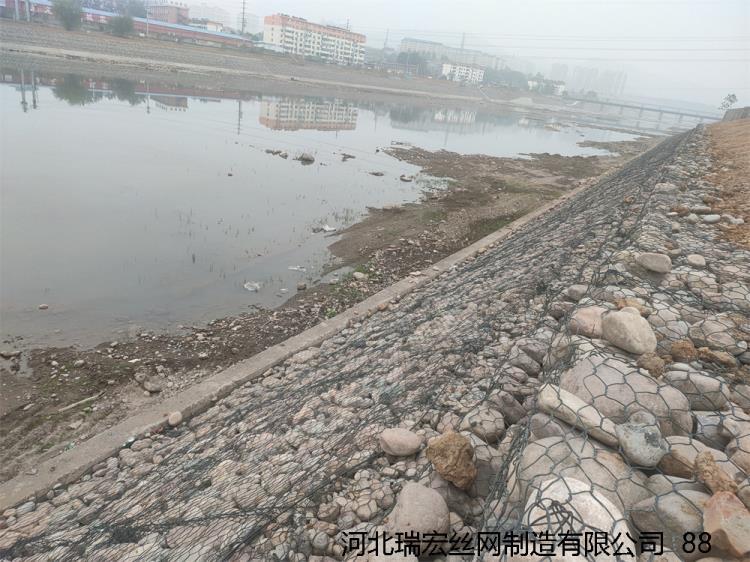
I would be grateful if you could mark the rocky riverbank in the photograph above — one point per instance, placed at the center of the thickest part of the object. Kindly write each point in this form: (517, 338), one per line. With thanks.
(54, 398)
(587, 374)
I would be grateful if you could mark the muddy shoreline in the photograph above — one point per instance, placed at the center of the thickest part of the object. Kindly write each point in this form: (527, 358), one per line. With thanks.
(483, 193)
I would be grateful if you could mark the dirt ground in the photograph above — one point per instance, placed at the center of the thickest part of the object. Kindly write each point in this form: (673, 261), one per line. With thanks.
(730, 146)
(69, 394)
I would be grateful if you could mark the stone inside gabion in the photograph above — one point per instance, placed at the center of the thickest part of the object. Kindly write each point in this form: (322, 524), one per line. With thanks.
(589, 373)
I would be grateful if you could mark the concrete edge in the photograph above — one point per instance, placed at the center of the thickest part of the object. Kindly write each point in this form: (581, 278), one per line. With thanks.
(73, 463)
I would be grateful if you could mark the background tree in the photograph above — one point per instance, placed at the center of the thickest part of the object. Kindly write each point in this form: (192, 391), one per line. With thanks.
(68, 12)
(134, 9)
(121, 26)
(73, 90)
(728, 102)
(124, 90)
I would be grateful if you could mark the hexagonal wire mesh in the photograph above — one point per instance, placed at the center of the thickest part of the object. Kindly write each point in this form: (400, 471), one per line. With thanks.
(566, 433)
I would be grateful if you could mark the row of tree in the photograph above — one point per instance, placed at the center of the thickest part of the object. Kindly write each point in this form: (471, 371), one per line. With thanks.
(69, 13)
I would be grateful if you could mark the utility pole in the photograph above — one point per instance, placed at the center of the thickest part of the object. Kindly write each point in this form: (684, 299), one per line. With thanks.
(15, 12)
(24, 103)
(33, 90)
(243, 16)
(239, 116)
(28, 9)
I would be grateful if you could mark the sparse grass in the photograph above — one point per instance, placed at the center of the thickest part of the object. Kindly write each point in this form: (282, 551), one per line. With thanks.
(433, 215)
(482, 228)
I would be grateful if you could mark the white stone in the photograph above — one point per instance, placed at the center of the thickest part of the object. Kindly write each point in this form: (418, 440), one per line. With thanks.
(658, 263)
(400, 442)
(175, 418)
(628, 330)
(569, 408)
(696, 260)
(419, 509)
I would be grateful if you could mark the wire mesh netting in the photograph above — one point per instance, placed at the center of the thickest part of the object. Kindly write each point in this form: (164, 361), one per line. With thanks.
(577, 390)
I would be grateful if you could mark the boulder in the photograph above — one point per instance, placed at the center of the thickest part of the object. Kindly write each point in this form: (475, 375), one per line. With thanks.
(457, 500)
(658, 263)
(714, 334)
(400, 442)
(453, 457)
(484, 422)
(680, 460)
(518, 358)
(673, 514)
(728, 522)
(696, 260)
(563, 405)
(708, 472)
(544, 425)
(587, 321)
(576, 292)
(508, 406)
(588, 509)
(683, 351)
(703, 392)
(419, 509)
(618, 390)
(577, 457)
(488, 462)
(628, 330)
(661, 484)
(642, 444)
(652, 363)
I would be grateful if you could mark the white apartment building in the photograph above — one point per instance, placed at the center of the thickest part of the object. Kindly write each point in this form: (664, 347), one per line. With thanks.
(463, 73)
(298, 36)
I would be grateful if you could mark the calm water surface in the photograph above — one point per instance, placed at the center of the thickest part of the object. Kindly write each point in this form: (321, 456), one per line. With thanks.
(127, 206)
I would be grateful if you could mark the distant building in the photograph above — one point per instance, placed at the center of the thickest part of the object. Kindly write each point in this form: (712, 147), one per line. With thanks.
(206, 24)
(210, 12)
(170, 12)
(558, 88)
(300, 37)
(463, 73)
(441, 52)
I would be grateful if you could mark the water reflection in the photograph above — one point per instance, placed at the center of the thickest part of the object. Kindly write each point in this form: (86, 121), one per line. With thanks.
(293, 114)
(185, 201)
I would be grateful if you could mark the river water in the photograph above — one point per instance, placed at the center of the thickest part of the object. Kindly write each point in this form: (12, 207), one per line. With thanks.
(127, 206)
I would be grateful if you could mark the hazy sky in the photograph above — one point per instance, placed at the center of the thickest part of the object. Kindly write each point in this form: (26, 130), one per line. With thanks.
(695, 50)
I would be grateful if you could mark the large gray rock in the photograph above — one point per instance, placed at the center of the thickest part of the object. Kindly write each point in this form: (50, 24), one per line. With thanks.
(508, 406)
(618, 390)
(484, 422)
(488, 461)
(674, 514)
(661, 484)
(587, 321)
(641, 444)
(400, 442)
(576, 457)
(566, 406)
(419, 509)
(658, 263)
(703, 392)
(589, 509)
(680, 460)
(628, 330)
(714, 334)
